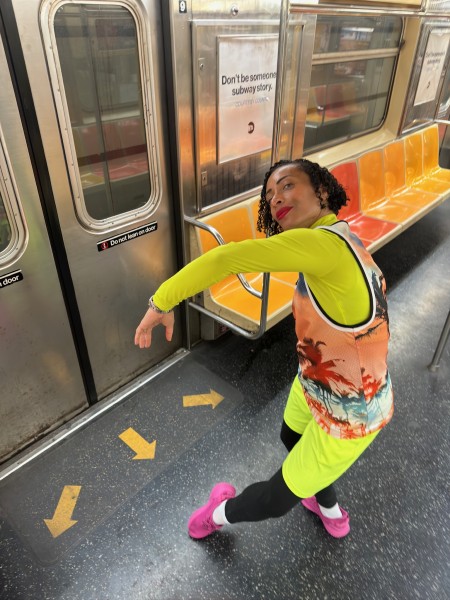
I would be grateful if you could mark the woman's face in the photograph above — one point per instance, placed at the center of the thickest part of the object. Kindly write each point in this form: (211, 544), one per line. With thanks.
(293, 202)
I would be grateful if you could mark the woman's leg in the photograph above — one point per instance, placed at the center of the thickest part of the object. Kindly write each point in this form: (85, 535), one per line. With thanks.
(262, 500)
(314, 462)
(327, 497)
(272, 498)
(288, 436)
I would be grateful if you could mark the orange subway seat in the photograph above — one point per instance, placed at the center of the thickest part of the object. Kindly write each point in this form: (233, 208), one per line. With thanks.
(368, 229)
(431, 166)
(286, 277)
(228, 297)
(415, 198)
(413, 159)
(374, 202)
(395, 179)
(347, 175)
(241, 302)
(372, 189)
(393, 211)
(371, 180)
(230, 284)
(233, 225)
(394, 168)
(414, 167)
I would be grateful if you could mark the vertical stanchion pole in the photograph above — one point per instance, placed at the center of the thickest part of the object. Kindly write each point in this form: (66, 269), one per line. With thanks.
(281, 77)
(441, 345)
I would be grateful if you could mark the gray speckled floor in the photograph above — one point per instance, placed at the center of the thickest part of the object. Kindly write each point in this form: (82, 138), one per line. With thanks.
(136, 545)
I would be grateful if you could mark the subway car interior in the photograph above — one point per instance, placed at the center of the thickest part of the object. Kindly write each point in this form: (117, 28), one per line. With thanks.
(135, 136)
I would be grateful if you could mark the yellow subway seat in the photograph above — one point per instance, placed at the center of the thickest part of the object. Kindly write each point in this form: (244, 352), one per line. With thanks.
(430, 150)
(418, 166)
(243, 303)
(442, 175)
(431, 156)
(434, 186)
(228, 298)
(232, 283)
(398, 184)
(413, 159)
(394, 168)
(396, 190)
(289, 277)
(232, 224)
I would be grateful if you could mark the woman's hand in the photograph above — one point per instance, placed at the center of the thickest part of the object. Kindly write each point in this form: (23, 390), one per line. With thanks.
(143, 335)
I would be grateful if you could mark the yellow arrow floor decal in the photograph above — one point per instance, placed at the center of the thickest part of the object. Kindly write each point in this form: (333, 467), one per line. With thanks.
(144, 450)
(213, 398)
(62, 519)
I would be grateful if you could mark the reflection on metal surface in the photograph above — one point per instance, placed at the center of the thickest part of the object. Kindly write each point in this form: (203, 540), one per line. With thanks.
(87, 417)
(41, 384)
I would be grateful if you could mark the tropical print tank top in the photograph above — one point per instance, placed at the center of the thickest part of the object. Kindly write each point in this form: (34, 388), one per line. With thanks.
(343, 369)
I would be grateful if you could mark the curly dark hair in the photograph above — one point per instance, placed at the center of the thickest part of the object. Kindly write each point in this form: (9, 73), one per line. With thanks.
(321, 180)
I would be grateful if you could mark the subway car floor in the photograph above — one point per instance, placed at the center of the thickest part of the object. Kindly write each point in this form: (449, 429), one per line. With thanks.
(129, 537)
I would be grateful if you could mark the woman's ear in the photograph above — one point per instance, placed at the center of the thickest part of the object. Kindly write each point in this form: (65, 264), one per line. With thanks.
(323, 198)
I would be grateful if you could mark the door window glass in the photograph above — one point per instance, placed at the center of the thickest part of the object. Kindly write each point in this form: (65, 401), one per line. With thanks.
(444, 101)
(353, 67)
(98, 51)
(5, 227)
(13, 230)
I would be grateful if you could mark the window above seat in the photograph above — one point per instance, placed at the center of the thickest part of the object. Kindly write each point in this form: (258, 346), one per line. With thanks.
(352, 72)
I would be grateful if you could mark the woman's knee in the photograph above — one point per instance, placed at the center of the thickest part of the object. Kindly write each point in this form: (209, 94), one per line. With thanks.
(261, 500)
(277, 498)
(288, 436)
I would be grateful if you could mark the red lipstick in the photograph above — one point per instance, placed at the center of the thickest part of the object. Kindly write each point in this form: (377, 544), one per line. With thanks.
(280, 214)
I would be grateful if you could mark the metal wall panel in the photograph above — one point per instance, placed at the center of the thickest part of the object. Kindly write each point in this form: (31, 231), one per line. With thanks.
(221, 181)
(41, 383)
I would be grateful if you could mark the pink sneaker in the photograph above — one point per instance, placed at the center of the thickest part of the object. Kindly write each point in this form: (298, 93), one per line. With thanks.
(201, 523)
(338, 528)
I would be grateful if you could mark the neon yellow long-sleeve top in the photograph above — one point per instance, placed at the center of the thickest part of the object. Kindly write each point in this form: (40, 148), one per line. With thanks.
(329, 268)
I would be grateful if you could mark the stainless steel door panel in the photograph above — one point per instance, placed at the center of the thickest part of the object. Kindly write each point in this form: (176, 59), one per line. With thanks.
(41, 384)
(112, 287)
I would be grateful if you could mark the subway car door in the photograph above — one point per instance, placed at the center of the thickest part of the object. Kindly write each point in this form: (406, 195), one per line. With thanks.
(97, 81)
(40, 379)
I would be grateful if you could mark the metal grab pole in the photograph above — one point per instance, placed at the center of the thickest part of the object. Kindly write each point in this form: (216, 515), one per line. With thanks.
(441, 345)
(281, 76)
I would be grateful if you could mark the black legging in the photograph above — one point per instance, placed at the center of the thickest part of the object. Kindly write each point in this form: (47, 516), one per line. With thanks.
(272, 498)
